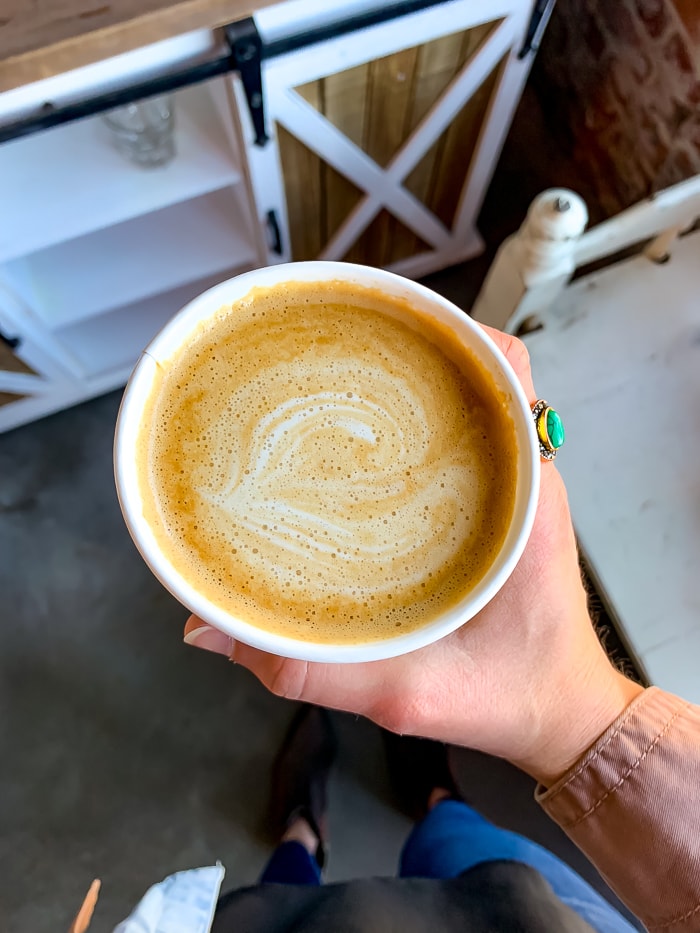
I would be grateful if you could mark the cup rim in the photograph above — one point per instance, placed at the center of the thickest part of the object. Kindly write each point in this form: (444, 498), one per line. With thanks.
(173, 336)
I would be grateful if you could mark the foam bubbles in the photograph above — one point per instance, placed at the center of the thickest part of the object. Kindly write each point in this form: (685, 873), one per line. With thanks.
(316, 466)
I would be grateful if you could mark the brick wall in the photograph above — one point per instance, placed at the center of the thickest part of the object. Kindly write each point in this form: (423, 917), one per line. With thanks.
(624, 76)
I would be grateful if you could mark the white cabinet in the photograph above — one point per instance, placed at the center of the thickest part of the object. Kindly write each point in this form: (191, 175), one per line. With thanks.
(96, 253)
(67, 182)
(384, 123)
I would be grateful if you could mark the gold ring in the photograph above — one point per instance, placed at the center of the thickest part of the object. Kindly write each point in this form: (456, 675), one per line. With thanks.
(550, 429)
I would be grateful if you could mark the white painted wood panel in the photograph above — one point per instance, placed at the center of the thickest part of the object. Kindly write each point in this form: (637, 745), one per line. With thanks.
(127, 262)
(53, 381)
(113, 342)
(294, 16)
(52, 364)
(70, 181)
(355, 48)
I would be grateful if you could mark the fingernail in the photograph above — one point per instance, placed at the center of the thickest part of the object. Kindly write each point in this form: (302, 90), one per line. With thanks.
(210, 639)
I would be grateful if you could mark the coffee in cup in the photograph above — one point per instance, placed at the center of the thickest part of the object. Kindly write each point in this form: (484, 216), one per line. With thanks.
(326, 463)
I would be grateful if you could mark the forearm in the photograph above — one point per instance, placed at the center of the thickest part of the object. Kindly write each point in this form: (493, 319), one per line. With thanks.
(632, 804)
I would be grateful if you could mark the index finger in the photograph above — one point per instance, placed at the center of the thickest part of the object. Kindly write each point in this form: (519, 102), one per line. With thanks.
(516, 353)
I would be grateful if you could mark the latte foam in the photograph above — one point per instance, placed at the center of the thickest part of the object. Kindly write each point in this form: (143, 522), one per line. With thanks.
(325, 463)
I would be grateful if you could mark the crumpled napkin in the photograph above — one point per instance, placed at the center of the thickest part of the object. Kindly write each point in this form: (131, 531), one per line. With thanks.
(182, 903)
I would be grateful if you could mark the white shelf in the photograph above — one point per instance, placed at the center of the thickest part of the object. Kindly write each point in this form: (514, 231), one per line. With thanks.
(134, 260)
(69, 181)
(114, 341)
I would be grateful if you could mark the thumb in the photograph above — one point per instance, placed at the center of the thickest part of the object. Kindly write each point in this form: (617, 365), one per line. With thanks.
(268, 668)
(200, 635)
(354, 688)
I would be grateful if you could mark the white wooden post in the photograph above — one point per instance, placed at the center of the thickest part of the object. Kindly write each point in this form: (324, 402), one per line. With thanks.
(532, 266)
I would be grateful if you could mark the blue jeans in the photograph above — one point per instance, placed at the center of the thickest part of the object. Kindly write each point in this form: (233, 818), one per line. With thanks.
(453, 838)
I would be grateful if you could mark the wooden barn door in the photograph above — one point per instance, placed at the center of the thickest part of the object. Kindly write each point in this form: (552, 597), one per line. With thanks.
(384, 139)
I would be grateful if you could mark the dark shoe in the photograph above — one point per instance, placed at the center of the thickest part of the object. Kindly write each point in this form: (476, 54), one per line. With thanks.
(416, 768)
(300, 774)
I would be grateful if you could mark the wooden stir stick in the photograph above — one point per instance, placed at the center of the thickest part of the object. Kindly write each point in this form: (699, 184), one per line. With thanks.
(84, 915)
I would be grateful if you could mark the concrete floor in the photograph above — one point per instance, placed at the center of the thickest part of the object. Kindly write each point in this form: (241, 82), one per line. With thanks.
(127, 755)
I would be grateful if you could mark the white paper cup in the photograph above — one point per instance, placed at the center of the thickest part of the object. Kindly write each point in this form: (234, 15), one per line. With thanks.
(174, 337)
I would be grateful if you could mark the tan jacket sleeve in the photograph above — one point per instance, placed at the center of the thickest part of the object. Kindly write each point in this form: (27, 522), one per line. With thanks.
(632, 804)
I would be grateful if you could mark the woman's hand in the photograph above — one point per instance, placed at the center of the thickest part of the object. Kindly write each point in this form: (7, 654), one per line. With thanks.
(526, 679)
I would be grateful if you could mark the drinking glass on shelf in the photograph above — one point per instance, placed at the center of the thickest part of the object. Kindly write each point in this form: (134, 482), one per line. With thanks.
(144, 131)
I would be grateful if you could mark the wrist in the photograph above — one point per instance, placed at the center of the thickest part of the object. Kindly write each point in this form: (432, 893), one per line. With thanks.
(579, 714)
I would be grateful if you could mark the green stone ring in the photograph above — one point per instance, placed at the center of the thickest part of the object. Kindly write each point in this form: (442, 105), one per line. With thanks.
(550, 429)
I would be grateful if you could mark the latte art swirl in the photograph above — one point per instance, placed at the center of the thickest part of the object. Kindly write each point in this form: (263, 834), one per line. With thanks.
(321, 469)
